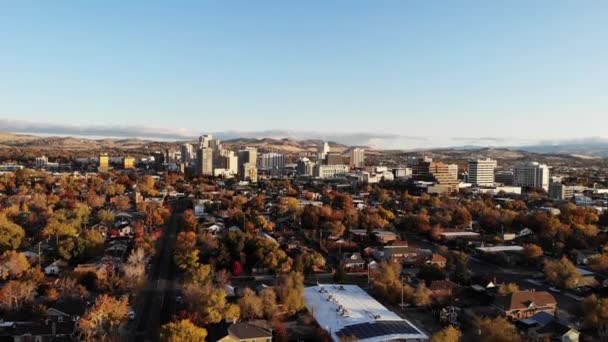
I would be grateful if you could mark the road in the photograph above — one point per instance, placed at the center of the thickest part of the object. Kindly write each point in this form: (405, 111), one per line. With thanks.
(156, 303)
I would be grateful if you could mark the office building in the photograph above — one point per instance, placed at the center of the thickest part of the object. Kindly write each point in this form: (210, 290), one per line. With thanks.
(531, 174)
(250, 172)
(561, 192)
(248, 155)
(441, 174)
(128, 162)
(228, 161)
(204, 161)
(402, 172)
(504, 177)
(357, 157)
(333, 158)
(305, 167)
(323, 151)
(104, 162)
(330, 171)
(41, 162)
(187, 153)
(207, 141)
(453, 170)
(481, 172)
(271, 161)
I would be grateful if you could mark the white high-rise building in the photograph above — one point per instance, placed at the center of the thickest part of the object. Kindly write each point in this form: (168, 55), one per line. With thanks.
(531, 174)
(330, 171)
(481, 172)
(323, 151)
(271, 161)
(305, 167)
(453, 170)
(357, 157)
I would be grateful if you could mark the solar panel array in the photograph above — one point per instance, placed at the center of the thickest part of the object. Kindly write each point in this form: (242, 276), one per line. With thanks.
(380, 328)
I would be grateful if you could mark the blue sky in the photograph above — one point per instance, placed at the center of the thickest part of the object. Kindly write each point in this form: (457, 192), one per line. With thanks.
(444, 72)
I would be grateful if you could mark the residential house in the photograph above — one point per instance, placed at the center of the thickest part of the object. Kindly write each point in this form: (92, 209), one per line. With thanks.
(252, 331)
(56, 267)
(352, 261)
(524, 304)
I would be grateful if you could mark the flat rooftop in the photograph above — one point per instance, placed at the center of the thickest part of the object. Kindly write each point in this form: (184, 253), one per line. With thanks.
(497, 249)
(347, 311)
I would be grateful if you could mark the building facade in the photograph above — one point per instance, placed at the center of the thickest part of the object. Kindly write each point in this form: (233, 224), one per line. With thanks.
(357, 157)
(330, 171)
(481, 172)
(271, 161)
(531, 174)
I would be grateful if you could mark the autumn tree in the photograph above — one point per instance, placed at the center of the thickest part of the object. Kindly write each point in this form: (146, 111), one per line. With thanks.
(106, 217)
(11, 234)
(135, 268)
(16, 293)
(104, 317)
(422, 295)
(13, 265)
(595, 311)
(290, 291)
(562, 273)
(182, 331)
(269, 302)
(386, 281)
(250, 305)
(507, 288)
(598, 262)
(496, 330)
(189, 221)
(447, 334)
(533, 252)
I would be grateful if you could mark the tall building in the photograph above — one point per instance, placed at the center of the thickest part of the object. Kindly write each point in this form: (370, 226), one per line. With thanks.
(440, 173)
(41, 162)
(271, 161)
(323, 151)
(187, 153)
(531, 174)
(305, 167)
(128, 162)
(481, 172)
(250, 172)
(504, 177)
(207, 141)
(333, 158)
(248, 155)
(104, 162)
(204, 161)
(357, 157)
(229, 161)
(453, 170)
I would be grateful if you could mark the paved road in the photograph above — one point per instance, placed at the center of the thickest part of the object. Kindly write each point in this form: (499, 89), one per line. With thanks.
(156, 303)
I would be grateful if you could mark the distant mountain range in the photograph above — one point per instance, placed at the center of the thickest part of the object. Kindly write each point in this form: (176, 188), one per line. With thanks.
(595, 147)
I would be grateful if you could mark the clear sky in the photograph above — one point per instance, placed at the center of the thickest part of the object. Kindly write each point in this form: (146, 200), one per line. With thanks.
(436, 69)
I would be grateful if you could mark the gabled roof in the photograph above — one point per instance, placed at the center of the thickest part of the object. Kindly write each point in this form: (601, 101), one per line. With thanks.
(524, 299)
(250, 330)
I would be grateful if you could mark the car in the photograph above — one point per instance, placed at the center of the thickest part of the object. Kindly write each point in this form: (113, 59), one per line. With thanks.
(131, 315)
(554, 289)
(179, 299)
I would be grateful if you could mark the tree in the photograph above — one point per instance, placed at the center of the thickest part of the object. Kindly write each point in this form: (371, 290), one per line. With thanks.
(16, 293)
(60, 225)
(189, 221)
(533, 252)
(95, 201)
(462, 217)
(13, 265)
(461, 274)
(387, 283)
(104, 317)
(447, 334)
(11, 234)
(562, 273)
(123, 203)
(595, 311)
(422, 295)
(505, 289)
(182, 331)
(269, 302)
(135, 268)
(106, 217)
(250, 305)
(496, 330)
(598, 263)
(290, 291)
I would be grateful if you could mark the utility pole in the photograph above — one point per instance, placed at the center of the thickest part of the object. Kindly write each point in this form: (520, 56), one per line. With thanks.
(402, 293)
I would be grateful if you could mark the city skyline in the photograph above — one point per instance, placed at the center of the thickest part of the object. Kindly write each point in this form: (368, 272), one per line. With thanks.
(407, 75)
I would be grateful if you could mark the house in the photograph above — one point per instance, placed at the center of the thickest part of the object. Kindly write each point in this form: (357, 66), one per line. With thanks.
(251, 331)
(543, 326)
(437, 260)
(56, 267)
(41, 331)
(525, 304)
(352, 261)
(65, 311)
(442, 289)
(398, 254)
(384, 237)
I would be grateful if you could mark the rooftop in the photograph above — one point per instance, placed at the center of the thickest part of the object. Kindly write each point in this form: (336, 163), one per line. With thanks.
(497, 249)
(348, 311)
